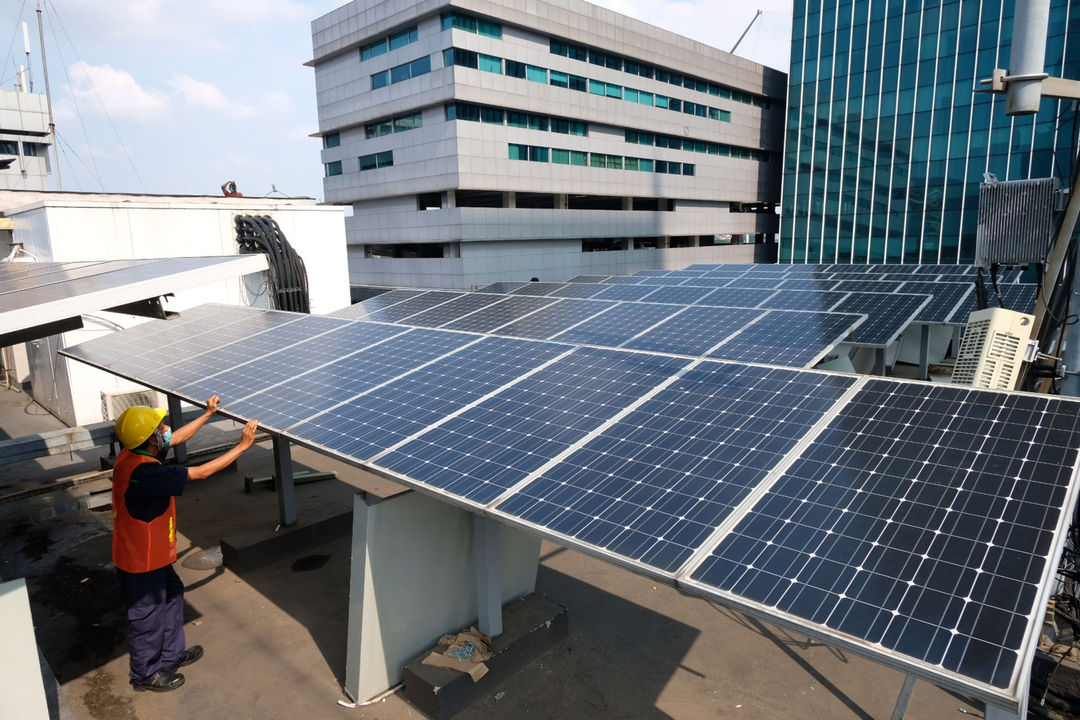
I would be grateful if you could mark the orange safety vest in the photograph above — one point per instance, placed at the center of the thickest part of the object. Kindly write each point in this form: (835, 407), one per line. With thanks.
(139, 546)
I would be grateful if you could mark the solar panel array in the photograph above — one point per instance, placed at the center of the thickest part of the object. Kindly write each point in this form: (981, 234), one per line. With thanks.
(911, 522)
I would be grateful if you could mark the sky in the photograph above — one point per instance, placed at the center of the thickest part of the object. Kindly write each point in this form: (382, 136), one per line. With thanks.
(179, 96)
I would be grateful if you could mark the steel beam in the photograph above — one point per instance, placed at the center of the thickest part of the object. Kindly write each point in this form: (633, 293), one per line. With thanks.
(283, 472)
(488, 575)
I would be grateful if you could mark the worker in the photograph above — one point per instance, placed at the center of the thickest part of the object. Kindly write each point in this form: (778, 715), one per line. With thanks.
(144, 539)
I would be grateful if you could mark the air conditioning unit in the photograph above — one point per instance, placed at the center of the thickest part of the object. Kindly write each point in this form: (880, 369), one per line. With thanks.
(993, 349)
(112, 404)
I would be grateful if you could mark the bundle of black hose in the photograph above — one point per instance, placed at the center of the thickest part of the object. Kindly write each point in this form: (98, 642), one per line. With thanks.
(287, 276)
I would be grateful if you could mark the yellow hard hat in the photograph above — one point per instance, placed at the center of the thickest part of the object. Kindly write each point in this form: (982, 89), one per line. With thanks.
(136, 424)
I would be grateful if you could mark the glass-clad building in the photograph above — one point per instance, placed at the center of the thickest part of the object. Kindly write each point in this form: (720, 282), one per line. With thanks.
(887, 140)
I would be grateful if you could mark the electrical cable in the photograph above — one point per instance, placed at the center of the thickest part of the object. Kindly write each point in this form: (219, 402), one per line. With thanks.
(287, 276)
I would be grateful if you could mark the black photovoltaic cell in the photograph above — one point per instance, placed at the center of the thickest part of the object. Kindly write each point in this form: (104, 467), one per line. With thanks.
(501, 288)
(555, 318)
(399, 311)
(293, 401)
(616, 326)
(654, 486)
(1020, 298)
(732, 297)
(383, 417)
(622, 280)
(921, 519)
(489, 448)
(363, 310)
(695, 330)
(710, 282)
(874, 286)
(804, 300)
(887, 315)
(579, 290)
(537, 288)
(856, 276)
(947, 296)
(247, 378)
(787, 337)
(452, 310)
(677, 295)
(809, 283)
(624, 292)
(501, 313)
(770, 281)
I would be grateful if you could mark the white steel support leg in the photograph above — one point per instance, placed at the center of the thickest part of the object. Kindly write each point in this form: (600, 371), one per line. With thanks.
(904, 699)
(488, 575)
(283, 475)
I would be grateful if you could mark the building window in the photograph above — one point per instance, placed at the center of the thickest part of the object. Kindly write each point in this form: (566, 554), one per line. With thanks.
(490, 63)
(515, 69)
(331, 140)
(429, 201)
(468, 23)
(597, 88)
(579, 158)
(390, 42)
(333, 168)
(556, 78)
(519, 152)
(491, 115)
(536, 74)
(403, 38)
(458, 56)
(377, 160)
(578, 83)
(380, 79)
(560, 157)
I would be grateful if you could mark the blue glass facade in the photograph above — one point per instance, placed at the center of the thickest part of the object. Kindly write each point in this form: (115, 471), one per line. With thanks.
(887, 142)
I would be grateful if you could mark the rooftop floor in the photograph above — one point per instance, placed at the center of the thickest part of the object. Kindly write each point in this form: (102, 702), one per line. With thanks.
(275, 637)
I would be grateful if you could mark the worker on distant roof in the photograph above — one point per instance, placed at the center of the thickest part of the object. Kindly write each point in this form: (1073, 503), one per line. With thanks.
(144, 539)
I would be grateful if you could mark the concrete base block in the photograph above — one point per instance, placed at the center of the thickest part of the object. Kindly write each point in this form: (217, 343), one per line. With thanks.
(260, 546)
(531, 626)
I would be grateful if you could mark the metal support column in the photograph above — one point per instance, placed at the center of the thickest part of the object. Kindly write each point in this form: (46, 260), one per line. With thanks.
(488, 575)
(286, 492)
(924, 352)
(904, 699)
(879, 361)
(176, 419)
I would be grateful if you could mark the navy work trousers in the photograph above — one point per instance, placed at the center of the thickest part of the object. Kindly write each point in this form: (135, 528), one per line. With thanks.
(155, 610)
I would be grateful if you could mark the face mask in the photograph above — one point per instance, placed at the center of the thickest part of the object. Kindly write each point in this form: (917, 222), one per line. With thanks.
(164, 438)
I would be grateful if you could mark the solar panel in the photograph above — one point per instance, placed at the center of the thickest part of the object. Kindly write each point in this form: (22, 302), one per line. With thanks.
(707, 281)
(616, 326)
(887, 315)
(622, 280)
(1018, 297)
(537, 288)
(578, 290)
(363, 310)
(502, 288)
(501, 313)
(736, 297)
(947, 297)
(807, 283)
(694, 331)
(554, 318)
(589, 278)
(875, 286)
(663, 280)
(789, 337)
(304, 396)
(653, 486)
(487, 449)
(920, 521)
(453, 309)
(804, 300)
(624, 292)
(384, 416)
(677, 295)
(401, 310)
(653, 273)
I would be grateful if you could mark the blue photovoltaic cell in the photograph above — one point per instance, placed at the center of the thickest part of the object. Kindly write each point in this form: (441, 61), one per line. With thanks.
(653, 273)
(538, 288)
(947, 296)
(614, 327)
(787, 337)
(1020, 298)
(293, 401)
(657, 280)
(487, 449)
(579, 290)
(383, 417)
(248, 378)
(677, 295)
(856, 276)
(363, 310)
(757, 281)
(871, 286)
(399, 311)
(624, 292)
(733, 297)
(887, 315)
(198, 366)
(695, 330)
(622, 280)
(554, 318)
(589, 278)
(501, 288)
(807, 283)
(654, 486)
(804, 300)
(452, 310)
(710, 282)
(921, 519)
(501, 313)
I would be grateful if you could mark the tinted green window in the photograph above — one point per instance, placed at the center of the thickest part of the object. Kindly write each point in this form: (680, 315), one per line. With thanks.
(578, 157)
(645, 165)
(598, 160)
(368, 162)
(491, 115)
(332, 168)
(614, 162)
(631, 163)
(560, 157)
(661, 101)
(385, 159)
(381, 79)
(515, 69)
(400, 73)
(538, 154)
(558, 79)
(403, 38)
(331, 140)
(538, 122)
(597, 88)
(517, 119)
(645, 98)
(373, 50)
(378, 129)
(614, 91)
(536, 74)
(408, 122)
(489, 29)
(578, 83)
(519, 152)
(490, 63)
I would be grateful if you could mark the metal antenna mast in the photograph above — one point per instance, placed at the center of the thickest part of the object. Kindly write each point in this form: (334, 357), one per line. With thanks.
(48, 98)
(745, 31)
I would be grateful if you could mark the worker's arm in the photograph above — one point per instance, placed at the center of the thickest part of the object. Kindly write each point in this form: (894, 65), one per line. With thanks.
(184, 434)
(247, 438)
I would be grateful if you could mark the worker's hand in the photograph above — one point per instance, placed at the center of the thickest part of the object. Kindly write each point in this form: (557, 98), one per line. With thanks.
(212, 403)
(247, 437)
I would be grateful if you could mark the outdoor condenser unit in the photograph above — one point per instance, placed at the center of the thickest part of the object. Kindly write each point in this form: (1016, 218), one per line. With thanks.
(993, 349)
(1016, 220)
(112, 404)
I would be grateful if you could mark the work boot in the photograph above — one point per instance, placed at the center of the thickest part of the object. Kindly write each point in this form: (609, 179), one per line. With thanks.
(163, 681)
(190, 655)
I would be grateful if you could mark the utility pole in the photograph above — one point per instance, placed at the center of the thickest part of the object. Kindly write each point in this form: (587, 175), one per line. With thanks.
(745, 31)
(48, 98)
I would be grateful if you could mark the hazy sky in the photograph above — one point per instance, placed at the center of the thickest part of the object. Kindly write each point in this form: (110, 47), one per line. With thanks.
(178, 96)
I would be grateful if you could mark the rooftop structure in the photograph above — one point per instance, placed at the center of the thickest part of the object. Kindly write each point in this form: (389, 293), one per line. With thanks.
(24, 141)
(479, 142)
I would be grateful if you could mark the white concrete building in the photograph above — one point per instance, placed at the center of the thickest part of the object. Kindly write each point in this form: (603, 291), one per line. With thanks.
(24, 141)
(479, 141)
